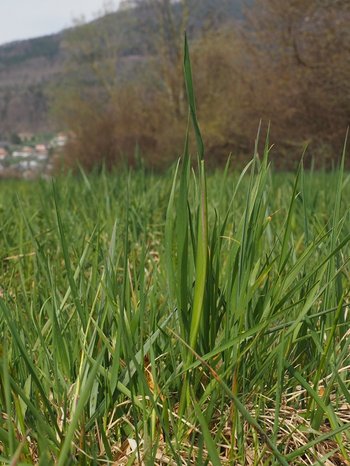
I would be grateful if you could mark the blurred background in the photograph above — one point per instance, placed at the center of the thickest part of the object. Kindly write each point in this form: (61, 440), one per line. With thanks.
(108, 88)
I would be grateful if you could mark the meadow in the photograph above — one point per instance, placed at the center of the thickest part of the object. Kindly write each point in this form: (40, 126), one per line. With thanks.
(106, 355)
(178, 319)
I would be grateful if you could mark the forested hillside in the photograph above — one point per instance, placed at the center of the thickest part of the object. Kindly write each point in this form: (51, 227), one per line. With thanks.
(26, 69)
(116, 83)
(30, 69)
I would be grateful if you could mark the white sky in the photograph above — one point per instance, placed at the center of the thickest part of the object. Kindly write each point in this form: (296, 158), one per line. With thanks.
(22, 19)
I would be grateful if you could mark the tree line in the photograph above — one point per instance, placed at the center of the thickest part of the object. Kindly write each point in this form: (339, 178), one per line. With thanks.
(285, 63)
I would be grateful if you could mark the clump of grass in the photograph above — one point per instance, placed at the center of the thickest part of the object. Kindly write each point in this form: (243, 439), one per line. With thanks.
(204, 326)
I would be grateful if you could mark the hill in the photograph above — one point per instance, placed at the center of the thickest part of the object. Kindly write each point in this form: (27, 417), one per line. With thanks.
(26, 69)
(29, 68)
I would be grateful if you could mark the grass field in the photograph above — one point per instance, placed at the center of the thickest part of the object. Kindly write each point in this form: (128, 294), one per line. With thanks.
(103, 356)
(177, 319)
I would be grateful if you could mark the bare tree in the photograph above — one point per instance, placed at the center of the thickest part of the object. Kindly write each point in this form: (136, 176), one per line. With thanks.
(300, 52)
(166, 32)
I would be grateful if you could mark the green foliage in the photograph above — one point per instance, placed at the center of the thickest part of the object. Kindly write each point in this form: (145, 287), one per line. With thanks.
(15, 139)
(96, 345)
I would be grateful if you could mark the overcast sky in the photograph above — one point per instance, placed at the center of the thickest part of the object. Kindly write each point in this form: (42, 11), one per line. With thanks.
(22, 19)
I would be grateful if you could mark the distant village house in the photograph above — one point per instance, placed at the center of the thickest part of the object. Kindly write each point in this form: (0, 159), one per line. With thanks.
(26, 136)
(40, 148)
(25, 152)
(127, 4)
(59, 141)
(3, 153)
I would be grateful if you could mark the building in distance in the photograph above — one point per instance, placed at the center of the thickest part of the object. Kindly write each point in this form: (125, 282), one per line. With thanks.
(3, 153)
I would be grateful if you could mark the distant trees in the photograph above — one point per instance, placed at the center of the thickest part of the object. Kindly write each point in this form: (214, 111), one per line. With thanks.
(301, 54)
(84, 100)
(287, 63)
(113, 101)
(15, 139)
(167, 34)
